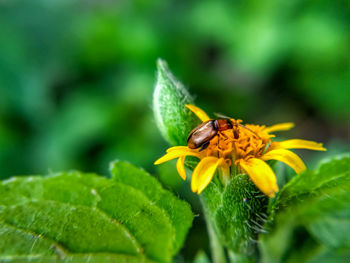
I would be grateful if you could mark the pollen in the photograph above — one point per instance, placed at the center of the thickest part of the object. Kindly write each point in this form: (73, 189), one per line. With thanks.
(241, 142)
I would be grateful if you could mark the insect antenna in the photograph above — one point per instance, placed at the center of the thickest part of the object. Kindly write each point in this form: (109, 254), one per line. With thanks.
(221, 116)
(249, 130)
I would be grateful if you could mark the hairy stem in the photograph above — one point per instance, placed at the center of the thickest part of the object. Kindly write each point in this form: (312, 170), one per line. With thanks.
(217, 250)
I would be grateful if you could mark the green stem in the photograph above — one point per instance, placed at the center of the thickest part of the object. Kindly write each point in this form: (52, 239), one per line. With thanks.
(217, 250)
(238, 257)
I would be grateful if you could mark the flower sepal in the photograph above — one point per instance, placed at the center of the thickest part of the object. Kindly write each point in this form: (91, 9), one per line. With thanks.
(236, 210)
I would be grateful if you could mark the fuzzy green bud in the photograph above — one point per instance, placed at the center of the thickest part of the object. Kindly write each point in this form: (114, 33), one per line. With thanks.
(170, 96)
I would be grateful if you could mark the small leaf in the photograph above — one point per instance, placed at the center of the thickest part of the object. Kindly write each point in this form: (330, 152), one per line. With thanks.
(331, 176)
(79, 217)
(170, 96)
(311, 216)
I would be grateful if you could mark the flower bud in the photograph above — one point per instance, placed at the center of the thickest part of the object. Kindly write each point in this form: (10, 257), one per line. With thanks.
(170, 96)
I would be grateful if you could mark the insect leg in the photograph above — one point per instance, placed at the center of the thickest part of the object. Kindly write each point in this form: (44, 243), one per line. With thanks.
(204, 146)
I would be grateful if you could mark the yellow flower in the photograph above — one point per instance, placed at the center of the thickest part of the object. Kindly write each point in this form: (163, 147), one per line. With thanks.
(243, 148)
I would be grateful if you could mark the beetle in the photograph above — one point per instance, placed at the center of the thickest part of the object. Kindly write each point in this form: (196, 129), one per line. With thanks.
(200, 136)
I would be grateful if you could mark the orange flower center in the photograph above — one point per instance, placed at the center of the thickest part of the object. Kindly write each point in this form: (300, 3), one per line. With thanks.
(239, 143)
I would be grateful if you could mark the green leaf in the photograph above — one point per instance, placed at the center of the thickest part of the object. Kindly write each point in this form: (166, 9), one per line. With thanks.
(173, 119)
(331, 175)
(177, 210)
(76, 258)
(311, 216)
(78, 217)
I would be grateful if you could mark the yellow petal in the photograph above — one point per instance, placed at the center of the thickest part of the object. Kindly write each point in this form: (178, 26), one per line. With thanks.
(200, 113)
(300, 144)
(175, 154)
(280, 127)
(203, 173)
(262, 175)
(180, 166)
(287, 157)
(175, 148)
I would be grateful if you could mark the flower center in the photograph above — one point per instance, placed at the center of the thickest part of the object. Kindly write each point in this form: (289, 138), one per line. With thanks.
(241, 142)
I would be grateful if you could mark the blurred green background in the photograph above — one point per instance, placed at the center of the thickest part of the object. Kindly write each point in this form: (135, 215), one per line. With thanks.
(76, 77)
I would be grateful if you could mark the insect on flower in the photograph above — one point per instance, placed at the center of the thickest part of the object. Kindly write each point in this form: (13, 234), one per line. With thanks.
(226, 145)
(201, 135)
